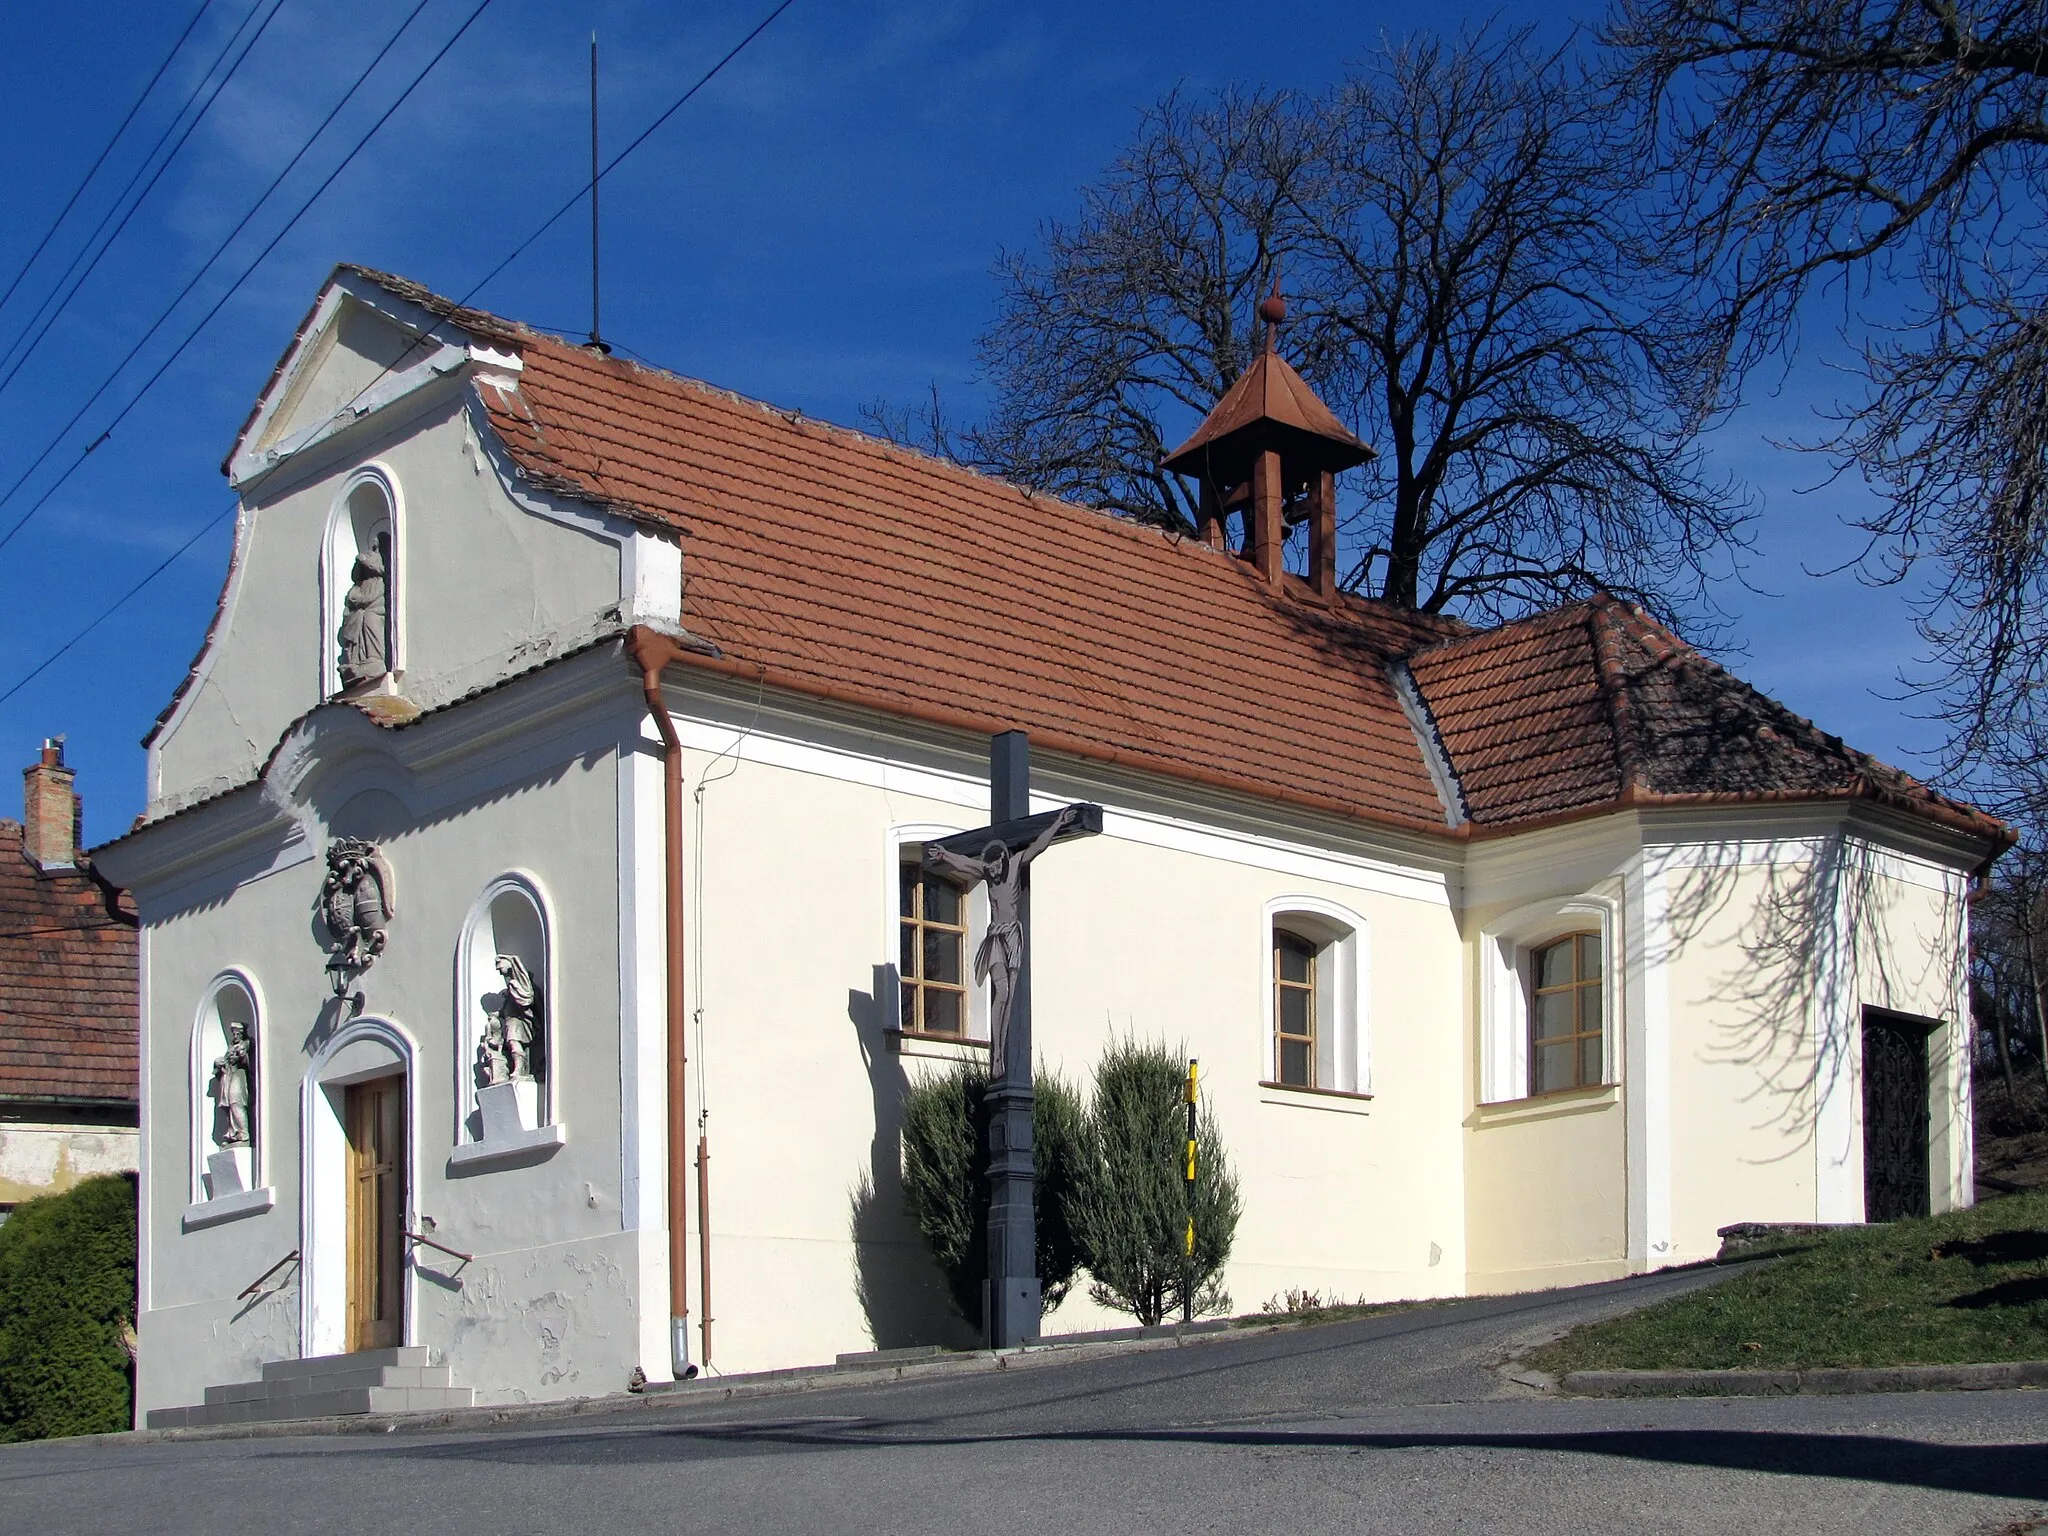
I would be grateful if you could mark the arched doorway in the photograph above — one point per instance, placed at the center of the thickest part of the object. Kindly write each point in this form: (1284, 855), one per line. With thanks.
(359, 1158)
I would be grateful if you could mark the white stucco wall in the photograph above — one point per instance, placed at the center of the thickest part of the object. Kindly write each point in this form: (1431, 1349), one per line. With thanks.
(485, 589)
(551, 1304)
(793, 916)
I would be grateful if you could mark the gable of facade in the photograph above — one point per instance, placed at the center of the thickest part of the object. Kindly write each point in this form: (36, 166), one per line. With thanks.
(1513, 958)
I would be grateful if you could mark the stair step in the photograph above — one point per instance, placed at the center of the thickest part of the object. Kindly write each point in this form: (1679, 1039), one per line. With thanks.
(411, 1377)
(312, 1405)
(315, 1365)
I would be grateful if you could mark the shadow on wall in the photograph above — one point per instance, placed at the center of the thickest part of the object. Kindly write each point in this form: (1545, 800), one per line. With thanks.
(901, 1290)
(1815, 946)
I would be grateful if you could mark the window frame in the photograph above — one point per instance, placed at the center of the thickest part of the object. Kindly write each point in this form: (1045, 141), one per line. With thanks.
(905, 845)
(1576, 988)
(1508, 947)
(911, 1020)
(1341, 1058)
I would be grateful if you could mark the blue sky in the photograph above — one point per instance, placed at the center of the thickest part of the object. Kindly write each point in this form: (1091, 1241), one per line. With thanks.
(816, 229)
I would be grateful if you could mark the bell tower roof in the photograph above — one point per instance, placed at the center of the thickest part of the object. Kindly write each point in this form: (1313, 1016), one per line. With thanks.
(1269, 407)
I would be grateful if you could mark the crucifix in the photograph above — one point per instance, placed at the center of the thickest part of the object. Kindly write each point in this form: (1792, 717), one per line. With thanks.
(1000, 856)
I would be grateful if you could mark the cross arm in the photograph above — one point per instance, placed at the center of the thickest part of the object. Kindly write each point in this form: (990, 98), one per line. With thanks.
(1022, 835)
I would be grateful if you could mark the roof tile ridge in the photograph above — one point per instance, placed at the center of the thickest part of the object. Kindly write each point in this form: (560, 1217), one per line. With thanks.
(1612, 681)
(887, 447)
(1870, 773)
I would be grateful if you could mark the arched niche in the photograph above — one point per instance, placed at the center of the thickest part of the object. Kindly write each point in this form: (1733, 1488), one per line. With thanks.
(364, 525)
(229, 1001)
(510, 918)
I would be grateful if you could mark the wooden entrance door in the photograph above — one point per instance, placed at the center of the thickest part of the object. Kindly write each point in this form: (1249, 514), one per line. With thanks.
(1894, 1117)
(375, 1114)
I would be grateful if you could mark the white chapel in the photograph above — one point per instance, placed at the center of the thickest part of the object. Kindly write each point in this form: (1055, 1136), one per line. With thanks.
(535, 950)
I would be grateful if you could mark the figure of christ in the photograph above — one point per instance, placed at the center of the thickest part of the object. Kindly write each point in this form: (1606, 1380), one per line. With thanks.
(1001, 954)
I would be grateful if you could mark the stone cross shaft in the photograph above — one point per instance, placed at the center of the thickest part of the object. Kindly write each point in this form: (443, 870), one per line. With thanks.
(1000, 855)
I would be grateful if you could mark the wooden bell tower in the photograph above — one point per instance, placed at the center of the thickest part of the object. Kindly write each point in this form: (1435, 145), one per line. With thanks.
(1271, 451)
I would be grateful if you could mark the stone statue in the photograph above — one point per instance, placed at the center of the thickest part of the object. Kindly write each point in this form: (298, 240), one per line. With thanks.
(364, 635)
(507, 1051)
(1001, 954)
(358, 898)
(230, 1087)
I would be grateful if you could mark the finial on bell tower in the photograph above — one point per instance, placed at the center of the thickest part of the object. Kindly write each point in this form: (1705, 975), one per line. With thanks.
(1270, 442)
(1273, 310)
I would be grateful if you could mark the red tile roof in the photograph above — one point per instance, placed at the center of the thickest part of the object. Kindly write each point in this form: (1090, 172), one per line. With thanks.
(827, 562)
(68, 1000)
(1597, 703)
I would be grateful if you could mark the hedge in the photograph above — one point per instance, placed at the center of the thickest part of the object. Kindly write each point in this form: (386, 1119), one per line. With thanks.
(67, 1298)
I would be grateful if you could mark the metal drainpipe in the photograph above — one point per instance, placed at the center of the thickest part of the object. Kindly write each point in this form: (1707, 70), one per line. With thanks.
(651, 651)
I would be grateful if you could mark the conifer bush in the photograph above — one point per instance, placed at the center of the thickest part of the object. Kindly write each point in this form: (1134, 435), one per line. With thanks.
(1134, 1202)
(67, 1293)
(945, 1179)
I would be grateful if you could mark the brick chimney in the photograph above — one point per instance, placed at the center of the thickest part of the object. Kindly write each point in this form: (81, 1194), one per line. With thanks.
(50, 810)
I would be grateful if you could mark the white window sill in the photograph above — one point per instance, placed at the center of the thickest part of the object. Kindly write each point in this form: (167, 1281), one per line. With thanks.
(518, 1151)
(906, 1042)
(1547, 1106)
(1330, 1100)
(211, 1213)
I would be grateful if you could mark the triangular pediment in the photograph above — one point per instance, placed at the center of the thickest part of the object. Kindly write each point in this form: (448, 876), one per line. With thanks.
(355, 349)
(361, 347)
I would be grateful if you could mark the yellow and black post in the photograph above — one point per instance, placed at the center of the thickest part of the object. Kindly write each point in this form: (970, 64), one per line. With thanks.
(1187, 1300)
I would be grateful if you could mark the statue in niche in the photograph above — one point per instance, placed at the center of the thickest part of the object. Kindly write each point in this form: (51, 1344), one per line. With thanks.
(508, 1049)
(364, 637)
(232, 1072)
(358, 899)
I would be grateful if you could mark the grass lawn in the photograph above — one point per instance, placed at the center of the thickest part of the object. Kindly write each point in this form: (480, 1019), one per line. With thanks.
(1968, 1286)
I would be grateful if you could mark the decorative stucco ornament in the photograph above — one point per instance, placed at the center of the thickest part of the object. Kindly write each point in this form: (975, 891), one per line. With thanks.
(365, 623)
(359, 898)
(229, 1089)
(507, 1051)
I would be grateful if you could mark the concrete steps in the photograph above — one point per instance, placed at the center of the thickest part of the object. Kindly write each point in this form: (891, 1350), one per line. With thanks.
(369, 1381)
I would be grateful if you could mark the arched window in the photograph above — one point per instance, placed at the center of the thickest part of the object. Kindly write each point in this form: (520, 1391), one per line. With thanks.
(1549, 1018)
(506, 1026)
(226, 1093)
(361, 636)
(1316, 1035)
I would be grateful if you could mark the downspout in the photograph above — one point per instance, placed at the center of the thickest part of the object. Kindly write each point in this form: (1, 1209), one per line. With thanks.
(651, 651)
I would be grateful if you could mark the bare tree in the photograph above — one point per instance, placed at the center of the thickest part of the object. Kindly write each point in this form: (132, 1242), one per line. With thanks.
(1899, 148)
(1450, 225)
(1139, 311)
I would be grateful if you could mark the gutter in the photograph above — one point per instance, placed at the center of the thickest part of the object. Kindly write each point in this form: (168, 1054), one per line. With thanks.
(652, 651)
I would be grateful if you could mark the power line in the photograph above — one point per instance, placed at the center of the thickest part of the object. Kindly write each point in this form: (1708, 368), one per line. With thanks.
(235, 287)
(702, 81)
(78, 191)
(17, 359)
(117, 604)
(218, 251)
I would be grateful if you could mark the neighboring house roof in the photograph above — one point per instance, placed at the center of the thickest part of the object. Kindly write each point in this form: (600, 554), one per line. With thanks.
(68, 1021)
(831, 563)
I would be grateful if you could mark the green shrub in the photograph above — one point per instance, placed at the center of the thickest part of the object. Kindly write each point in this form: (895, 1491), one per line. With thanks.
(1135, 1203)
(67, 1293)
(945, 1179)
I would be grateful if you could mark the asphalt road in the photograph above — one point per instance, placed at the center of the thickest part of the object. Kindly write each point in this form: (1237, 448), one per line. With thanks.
(1392, 1424)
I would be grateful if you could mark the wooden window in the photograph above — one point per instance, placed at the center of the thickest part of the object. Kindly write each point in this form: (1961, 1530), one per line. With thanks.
(1295, 1006)
(1566, 1013)
(933, 964)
